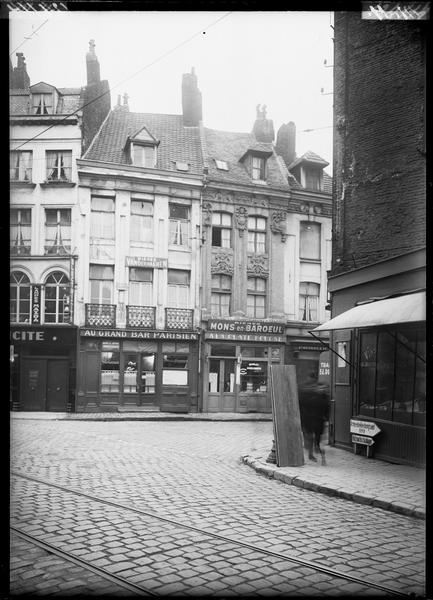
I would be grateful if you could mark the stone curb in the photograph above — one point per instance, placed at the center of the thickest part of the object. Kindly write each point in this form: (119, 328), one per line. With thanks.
(273, 473)
(152, 417)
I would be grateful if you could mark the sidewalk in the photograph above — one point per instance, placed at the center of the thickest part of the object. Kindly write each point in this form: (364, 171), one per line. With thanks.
(397, 488)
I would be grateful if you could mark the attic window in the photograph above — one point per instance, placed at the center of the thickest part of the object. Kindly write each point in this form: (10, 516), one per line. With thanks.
(42, 104)
(221, 165)
(143, 156)
(182, 166)
(258, 168)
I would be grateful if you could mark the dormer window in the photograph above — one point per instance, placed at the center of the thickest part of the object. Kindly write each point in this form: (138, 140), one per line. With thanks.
(42, 104)
(143, 156)
(142, 148)
(221, 165)
(313, 179)
(258, 166)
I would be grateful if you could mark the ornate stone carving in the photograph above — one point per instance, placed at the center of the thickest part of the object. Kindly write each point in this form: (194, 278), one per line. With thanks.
(222, 263)
(278, 223)
(207, 214)
(241, 219)
(258, 266)
(305, 208)
(318, 209)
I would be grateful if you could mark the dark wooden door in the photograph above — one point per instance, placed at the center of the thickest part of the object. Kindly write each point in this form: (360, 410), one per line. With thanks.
(57, 385)
(33, 384)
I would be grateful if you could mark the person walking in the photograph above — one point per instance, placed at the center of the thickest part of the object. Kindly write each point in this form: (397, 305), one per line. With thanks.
(314, 413)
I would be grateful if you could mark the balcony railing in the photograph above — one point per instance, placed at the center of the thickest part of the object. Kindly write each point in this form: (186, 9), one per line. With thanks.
(100, 315)
(178, 318)
(140, 316)
(63, 250)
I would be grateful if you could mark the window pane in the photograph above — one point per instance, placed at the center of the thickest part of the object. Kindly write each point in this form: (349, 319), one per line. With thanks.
(101, 204)
(101, 272)
(130, 374)
(141, 207)
(147, 373)
(385, 376)
(310, 240)
(110, 366)
(254, 376)
(140, 274)
(178, 211)
(367, 373)
(404, 376)
(176, 276)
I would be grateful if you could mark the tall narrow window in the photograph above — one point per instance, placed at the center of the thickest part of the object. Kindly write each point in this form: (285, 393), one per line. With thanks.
(59, 165)
(258, 168)
(140, 286)
(101, 284)
(313, 179)
(179, 225)
(141, 221)
(102, 218)
(42, 104)
(57, 230)
(309, 240)
(221, 295)
(256, 234)
(256, 297)
(21, 165)
(57, 291)
(221, 229)
(19, 298)
(178, 288)
(20, 230)
(308, 301)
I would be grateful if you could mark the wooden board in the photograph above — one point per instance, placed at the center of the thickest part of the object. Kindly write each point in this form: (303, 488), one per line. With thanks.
(289, 442)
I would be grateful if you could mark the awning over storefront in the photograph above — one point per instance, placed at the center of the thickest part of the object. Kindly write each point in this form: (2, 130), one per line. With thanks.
(391, 311)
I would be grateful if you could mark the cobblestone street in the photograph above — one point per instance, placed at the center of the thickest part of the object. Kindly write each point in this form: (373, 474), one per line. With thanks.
(223, 529)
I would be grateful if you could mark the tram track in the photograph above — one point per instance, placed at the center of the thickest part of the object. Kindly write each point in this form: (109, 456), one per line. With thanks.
(333, 573)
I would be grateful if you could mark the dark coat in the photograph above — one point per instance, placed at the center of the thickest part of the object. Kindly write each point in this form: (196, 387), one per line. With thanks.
(313, 407)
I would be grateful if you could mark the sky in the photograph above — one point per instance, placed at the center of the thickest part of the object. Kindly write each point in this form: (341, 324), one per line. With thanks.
(241, 59)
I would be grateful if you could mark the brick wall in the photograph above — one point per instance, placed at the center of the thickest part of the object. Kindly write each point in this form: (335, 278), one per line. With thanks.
(379, 153)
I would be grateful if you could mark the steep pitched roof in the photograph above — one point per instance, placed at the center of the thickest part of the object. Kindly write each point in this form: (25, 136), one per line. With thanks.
(231, 147)
(310, 157)
(70, 100)
(177, 143)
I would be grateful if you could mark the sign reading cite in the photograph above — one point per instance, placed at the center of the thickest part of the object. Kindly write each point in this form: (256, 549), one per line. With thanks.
(258, 327)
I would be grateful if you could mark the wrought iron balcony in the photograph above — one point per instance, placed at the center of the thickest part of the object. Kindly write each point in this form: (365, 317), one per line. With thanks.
(100, 315)
(140, 316)
(178, 318)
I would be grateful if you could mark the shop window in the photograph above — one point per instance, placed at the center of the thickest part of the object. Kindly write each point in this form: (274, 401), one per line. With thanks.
(179, 225)
(178, 282)
(147, 373)
(20, 230)
(42, 104)
(254, 376)
(257, 235)
(221, 295)
(59, 165)
(309, 240)
(57, 230)
(141, 221)
(19, 297)
(20, 165)
(140, 286)
(392, 376)
(308, 301)
(57, 298)
(110, 367)
(256, 297)
(221, 229)
(175, 369)
(101, 284)
(102, 224)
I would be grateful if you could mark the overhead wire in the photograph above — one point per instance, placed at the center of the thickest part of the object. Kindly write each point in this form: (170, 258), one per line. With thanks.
(202, 30)
(27, 38)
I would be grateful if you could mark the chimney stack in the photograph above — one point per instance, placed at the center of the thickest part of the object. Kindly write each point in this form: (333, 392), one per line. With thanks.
(191, 100)
(92, 63)
(20, 78)
(286, 142)
(263, 128)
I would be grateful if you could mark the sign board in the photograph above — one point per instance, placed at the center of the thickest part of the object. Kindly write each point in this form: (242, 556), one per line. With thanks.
(146, 261)
(245, 337)
(364, 428)
(362, 439)
(36, 304)
(241, 326)
(138, 334)
(324, 368)
(289, 444)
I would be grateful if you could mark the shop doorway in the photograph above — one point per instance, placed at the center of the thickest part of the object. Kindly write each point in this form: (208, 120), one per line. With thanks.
(45, 384)
(222, 391)
(139, 378)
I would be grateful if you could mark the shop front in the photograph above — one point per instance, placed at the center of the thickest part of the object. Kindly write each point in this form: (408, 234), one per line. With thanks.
(43, 367)
(237, 357)
(132, 370)
(306, 357)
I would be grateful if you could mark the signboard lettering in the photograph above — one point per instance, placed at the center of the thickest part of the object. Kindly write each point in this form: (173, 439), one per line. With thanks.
(146, 261)
(139, 334)
(361, 439)
(36, 304)
(27, 336)
(245, 337)
(246, 327)
(364, 428)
